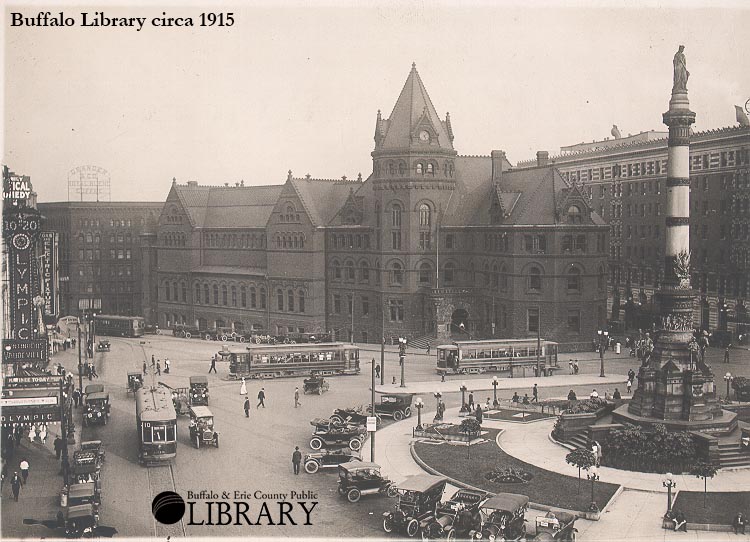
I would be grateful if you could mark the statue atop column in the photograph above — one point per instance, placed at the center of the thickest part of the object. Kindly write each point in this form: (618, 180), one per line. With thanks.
(680, 71)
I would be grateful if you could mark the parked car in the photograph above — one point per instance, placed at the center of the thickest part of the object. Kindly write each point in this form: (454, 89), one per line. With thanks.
(503, 518)
(394, 405)
(81, 521)
(455, 518)
(96, 410)
(363, 478)
(354, 416)
(329, 459)
(417, 497)
(332, 435)
(555, 525)
(185, 332)
(202, 431)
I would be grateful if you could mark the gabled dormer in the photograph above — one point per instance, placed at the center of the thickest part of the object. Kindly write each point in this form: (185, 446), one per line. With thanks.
(573, 206)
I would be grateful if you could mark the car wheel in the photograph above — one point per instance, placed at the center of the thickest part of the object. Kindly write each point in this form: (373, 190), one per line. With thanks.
(224, 338)
(311, 467)
(355, 444)
(353, 495)
(207, 337)
(451, 535)
(412, 528)
(336, 419)
(398, 415)
(388, 524)
(391, 491)
(187, 335)
(316, 443)
(242, 339)
(407, 412)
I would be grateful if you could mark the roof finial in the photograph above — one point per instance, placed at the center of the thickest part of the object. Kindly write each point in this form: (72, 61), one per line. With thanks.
(174, 181)
(289, 175)
(359, 176)
(413, 65)
(343, 177)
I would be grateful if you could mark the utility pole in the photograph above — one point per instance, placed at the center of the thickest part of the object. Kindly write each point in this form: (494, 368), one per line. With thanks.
(80, 365)
(372, 411)
(382, 344)
(538, 342)
(402, 357)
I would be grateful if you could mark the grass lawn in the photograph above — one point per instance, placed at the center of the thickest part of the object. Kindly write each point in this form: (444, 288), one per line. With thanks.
(522, 416)
(546, 487)
(721, 507)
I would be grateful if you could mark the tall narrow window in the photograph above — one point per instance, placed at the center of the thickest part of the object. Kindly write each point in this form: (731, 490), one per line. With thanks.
(253, 298)
(532, 320)
(234, 296)
(224, 295)
(216, 294)
(397, 274)
(574, 279)
(535, 279)
(243, 297)
(301, 301)
(290, 301)
(449, 272)
(279, 300)
(206, 299)
(396, 215)
(425, 273)
(424, 215)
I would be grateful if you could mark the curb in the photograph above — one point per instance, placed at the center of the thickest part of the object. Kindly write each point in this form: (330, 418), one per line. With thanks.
(464, 485)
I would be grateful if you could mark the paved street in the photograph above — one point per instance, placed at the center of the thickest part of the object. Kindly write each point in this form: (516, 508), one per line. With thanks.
(255, 453)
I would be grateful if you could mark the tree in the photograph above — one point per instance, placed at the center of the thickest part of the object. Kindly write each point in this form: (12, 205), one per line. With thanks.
(581, 458)
(705, 470)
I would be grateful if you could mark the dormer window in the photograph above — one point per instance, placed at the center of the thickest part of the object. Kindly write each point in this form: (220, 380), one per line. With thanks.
(574, 215)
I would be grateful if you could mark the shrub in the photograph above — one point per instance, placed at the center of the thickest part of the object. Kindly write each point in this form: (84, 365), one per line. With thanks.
(557, 429)
(470, 426)
(643, 450)
(587, 406)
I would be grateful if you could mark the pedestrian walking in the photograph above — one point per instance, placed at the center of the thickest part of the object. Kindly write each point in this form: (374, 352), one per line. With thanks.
(144, 367)
(631, 374)
(471, 400)
(153, 360)
(93, 372)
(377, 371)
(296, 459)
(77, 397)
(158, 367)
(442, 376)
(57, 444)
(243, 387)
(428, 349)
(15, 485)
(167, 363)
(296, 398)
(213, 365)
(575, 367)
(24, 466)
(535, 394)
(246, 406)
(570, 363)
(629, 384)
(726, 353)
(43, 433)
(261, 398)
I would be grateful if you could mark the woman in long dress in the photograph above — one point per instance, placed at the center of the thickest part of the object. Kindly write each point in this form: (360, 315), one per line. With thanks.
(243, 387)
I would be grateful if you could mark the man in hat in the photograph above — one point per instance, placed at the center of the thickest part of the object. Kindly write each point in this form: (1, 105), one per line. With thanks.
(246, 406)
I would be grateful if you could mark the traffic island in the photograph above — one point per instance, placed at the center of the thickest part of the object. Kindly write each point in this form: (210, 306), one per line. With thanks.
(712, 511)
(478, 468)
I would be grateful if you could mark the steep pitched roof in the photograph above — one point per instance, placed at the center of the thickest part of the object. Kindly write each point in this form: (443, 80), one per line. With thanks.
(323, 198)
(413, 105)
(228, 206)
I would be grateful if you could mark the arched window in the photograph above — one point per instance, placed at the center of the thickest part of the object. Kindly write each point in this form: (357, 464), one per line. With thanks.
(262, 298)
(279, 299)
(350, 270)
(216, 294)
(183, 288)
(574, 215)
(301, 241)
(391, 168)
(166, 291)
(495, 278)
(401, 168)
(234, 296)
(336, 270)
(425, 273)
(364, 269)
(206, 298)
(253, 298)
(419, 168)
(503, 278)
(396, 215)
(535, 278)
(290, 301)
(430, 169)
(197, 293)
(486, 273)
(424, 215)
(243, 297)
(301, 301)
(574, 279)
(223, 295)
(397, 274)
(174, 291)
(449, 272)
(377, 271)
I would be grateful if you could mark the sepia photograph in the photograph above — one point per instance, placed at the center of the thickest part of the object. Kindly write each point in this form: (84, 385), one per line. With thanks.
(386, 270)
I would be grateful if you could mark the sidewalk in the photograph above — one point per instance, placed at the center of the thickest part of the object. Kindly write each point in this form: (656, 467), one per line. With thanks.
(484, 382)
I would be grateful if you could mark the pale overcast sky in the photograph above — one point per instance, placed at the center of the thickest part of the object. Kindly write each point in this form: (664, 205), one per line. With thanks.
(298, 87)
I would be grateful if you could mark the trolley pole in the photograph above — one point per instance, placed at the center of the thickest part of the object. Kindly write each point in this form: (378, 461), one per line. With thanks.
(372, 402)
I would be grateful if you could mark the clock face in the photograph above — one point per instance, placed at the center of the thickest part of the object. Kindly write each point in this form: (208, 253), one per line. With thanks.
(424, 135)
(21, 241)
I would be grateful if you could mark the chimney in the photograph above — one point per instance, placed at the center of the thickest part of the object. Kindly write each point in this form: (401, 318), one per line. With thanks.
(192, 183)
(498, 158)
(542, 158)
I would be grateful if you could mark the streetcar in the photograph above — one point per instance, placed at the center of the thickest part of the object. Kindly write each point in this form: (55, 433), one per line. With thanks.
(119, 326)
(510, 355)
(282, 360)
(156, 423)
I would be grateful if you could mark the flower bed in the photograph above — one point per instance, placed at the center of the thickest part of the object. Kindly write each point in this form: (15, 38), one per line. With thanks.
(445, 431)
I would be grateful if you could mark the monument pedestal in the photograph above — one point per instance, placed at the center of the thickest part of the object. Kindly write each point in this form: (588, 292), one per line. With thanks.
(718, 427)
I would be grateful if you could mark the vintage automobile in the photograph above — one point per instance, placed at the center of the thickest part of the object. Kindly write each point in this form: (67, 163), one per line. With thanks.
(394, 405)
(94, 446)
(455, 518)
(359, 478)
(77, 494)
(332, 435)
(92, 388)
(199, 390)
(502, 518)
(103, 346)
(81, 521)
(315, 384)
(202, 427)
(85, 468)
(353, 416)
(135, 382)
(96, 410)
(185, 332)
(417, 497)
(556, 525)
(329, 459)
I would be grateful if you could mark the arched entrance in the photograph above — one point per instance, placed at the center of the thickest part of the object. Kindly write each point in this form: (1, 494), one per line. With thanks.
(460, 322)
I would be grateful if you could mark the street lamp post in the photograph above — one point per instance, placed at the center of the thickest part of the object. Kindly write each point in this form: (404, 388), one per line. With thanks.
(463, 388)
(602, 341)
(372, 402)
(593, 475)
(401, 357)
(438, 414)
(728, 379)
(494, 390)
(419, 404)
(669, 482)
